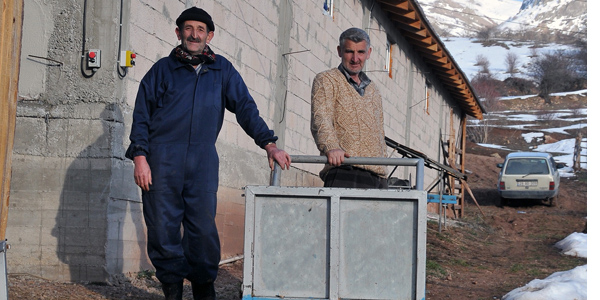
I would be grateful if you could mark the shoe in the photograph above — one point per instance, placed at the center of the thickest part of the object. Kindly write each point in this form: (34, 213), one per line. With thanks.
(173, 291)
(204, 291)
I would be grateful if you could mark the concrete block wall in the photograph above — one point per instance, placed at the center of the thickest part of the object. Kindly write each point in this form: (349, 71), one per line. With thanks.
(69, 171)
(75, 212)
(60, 194)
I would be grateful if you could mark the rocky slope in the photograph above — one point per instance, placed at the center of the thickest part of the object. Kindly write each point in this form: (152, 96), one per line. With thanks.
(531, 18)
(543, 16)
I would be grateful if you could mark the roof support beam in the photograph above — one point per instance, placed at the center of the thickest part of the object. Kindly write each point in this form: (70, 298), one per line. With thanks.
(404, 5)
(409, 18)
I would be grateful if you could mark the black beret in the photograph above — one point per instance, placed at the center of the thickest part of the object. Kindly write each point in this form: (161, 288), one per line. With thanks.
(196, 14)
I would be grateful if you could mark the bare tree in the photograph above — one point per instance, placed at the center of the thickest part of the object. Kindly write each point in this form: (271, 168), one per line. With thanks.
(486, 88)
(478, 131)
(486, 33)
(533, 52)
(511, 61)
(483, 63)
(553, 72)
(581, 57)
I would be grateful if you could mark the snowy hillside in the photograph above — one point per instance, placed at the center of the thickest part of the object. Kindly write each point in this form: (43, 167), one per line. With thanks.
(464, 18)
(566, 16)
(465, 52)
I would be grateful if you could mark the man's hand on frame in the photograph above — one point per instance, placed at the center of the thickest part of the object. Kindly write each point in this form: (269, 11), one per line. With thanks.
(277, 155)
(336, 157)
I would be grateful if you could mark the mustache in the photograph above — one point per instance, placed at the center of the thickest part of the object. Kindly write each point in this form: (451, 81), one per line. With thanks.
(191, 39)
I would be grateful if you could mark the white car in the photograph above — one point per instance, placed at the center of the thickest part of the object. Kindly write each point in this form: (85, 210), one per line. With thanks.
(529, 175)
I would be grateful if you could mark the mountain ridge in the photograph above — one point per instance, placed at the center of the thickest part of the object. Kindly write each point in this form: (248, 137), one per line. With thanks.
(567, 17)
(544, 19)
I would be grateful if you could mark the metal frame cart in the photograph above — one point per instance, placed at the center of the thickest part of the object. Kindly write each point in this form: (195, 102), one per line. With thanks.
(335, 243)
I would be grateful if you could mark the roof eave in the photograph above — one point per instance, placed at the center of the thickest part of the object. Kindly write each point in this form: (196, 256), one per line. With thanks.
(410, 20)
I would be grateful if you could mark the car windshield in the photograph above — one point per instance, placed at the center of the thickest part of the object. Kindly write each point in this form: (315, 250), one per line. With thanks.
(525, 166)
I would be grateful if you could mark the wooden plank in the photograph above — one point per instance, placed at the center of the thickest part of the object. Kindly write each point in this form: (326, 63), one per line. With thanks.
(423, 42)
(471, 194)
(462, 161)
(452, 148)
(397, 4)
(440, 61)
(446, 199)
(10, 57)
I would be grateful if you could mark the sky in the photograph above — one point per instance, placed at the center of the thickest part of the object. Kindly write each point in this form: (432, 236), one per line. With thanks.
(568, 284)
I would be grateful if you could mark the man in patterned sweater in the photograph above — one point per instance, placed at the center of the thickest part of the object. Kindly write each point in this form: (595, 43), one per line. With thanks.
(347, 117)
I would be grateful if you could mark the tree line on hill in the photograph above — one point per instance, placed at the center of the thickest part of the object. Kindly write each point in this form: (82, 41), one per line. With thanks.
(546, 73)
(556, 71)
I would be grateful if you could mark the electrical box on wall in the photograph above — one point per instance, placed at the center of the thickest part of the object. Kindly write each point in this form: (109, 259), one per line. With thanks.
(93, 59)
(127, 59)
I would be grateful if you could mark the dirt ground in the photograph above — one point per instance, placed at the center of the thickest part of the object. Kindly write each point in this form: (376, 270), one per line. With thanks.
(489, 253)
(484, 255)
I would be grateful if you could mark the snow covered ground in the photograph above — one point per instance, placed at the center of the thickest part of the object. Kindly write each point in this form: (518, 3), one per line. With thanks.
(570, 284)
(533, 16)
(465, 52)
(564, 147)
(593, 171)
(496, 10)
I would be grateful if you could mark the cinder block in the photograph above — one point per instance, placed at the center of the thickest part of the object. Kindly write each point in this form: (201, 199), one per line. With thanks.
(23, 239)
(48, 256)
(49, 232)
(30, 136)
(52, 178)
(24, 200)
(25, 217)
(22, 178)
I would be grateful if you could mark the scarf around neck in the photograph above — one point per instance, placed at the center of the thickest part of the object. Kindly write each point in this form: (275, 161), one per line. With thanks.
(206, 57)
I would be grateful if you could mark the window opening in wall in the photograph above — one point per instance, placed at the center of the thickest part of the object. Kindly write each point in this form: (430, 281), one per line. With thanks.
(427, 88)
(388, 58)
(328, 8)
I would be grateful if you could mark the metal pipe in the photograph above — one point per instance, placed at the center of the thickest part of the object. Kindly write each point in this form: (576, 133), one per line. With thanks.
(230, 260)
(276, 175)
(387, 161)
(392, 161)
(441, 189)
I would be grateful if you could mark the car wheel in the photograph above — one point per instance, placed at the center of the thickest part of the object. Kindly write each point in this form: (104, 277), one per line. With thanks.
(552, 201)
(503, 201)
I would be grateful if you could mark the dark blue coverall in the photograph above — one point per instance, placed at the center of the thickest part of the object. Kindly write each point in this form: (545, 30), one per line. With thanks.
(177, 117)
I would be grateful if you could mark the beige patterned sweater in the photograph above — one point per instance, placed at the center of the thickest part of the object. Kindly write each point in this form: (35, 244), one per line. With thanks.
(343, 119)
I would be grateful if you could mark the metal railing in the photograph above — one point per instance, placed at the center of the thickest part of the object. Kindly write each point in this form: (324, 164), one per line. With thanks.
(317, 159)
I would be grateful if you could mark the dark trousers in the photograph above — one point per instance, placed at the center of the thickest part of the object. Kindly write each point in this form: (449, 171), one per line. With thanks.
(195, 255)
(353, 177)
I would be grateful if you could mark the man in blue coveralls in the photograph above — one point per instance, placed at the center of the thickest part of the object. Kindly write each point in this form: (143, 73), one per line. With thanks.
(178, 114)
